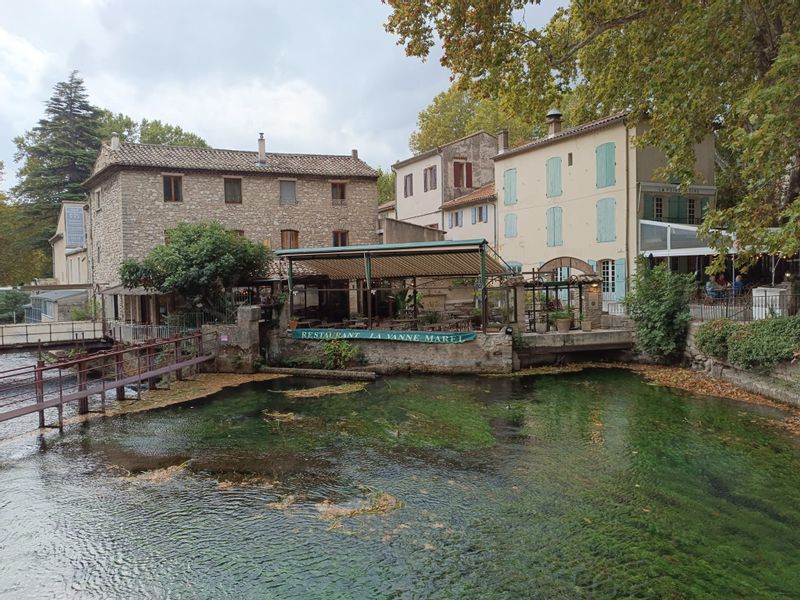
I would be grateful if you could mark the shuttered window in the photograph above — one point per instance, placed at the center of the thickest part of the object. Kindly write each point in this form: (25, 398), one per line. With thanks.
(606, 220)
(288, 192)
(553, 176)
(619, 278)
(510, 225)
(408, 185)
(510, 186)
(290, 238)
(340, 238)
(474, 212)
(338, 193)
(173, 188)
(554, 236)
(606, 164)
(233, 190)
(462, 174)
(429, 178)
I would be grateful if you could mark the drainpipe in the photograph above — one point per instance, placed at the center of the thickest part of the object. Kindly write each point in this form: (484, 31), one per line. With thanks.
(628, 211)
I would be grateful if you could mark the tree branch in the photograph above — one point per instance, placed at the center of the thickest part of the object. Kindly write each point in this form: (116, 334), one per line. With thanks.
(597, 31)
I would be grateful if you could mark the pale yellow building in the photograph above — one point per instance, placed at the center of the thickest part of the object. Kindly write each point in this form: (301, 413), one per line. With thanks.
(70, 262)
(590, 193)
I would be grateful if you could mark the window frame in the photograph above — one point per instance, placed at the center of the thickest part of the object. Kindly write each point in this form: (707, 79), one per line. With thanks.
(172, 177)
(290, 235)
(286, 201)
(408, 185)
(339, 235)
(339, 201)
(608, 276)
(429, 182)
(462, 173)
(225, 181)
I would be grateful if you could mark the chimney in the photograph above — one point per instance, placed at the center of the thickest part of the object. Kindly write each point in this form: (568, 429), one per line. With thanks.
(502, 141)
(114, 140)
(262, 151)
(354, 152)
(553, 122)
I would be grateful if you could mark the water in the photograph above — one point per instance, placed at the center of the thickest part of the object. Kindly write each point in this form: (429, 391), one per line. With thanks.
(585, 485)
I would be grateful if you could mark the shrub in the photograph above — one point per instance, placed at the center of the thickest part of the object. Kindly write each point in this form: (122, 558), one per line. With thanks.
(712, 337)
(659, 306)
(764, 343)
(338, 353)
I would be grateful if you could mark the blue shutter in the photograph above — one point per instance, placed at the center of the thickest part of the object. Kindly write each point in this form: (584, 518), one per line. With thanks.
(605, 164)
(593, 264)
(553, 176)
(511, 225)
(474, 215)
(450, 220)
(619, 278)
(461, 218)
(559, 240)
(683, 209)
(550, 227)
(510, 186)
(606, 220)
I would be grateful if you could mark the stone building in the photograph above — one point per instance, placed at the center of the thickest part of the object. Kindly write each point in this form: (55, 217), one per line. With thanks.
(137, 192)
(427, 181)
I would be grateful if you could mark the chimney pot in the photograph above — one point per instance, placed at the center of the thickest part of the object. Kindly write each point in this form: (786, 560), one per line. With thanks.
(114, 140)
(553, 122)
(502, 141)
(354, 152)
(262, 149)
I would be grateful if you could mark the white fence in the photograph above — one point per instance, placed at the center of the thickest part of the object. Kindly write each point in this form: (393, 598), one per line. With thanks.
(48, 333)
(134, 333)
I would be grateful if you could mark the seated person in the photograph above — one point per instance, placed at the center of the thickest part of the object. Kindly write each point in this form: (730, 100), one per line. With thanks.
(738, 285)
(721, 281)
(713, 289)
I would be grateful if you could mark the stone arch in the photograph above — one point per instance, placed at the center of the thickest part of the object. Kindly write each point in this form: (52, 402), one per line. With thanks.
(568, 261)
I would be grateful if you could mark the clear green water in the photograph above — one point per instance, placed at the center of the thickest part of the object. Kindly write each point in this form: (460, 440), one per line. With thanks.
(587, 485)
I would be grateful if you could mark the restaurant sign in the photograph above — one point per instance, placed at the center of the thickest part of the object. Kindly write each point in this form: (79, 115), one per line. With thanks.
(423, 337)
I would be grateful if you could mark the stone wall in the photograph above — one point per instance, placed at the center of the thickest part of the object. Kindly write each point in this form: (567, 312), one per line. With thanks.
(105, 232)
(488, 353)
(477, 149)
(398, 232)
(238, 346)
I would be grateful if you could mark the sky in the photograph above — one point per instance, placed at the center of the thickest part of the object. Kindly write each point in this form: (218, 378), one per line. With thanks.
(319, 76)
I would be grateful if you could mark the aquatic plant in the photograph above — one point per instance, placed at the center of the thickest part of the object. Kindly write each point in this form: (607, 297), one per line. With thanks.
(338, 353)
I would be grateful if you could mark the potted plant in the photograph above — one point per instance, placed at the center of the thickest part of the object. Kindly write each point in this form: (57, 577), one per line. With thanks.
(562, 319)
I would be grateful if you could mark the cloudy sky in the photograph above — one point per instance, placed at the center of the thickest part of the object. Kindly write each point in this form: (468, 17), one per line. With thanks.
(314, 76)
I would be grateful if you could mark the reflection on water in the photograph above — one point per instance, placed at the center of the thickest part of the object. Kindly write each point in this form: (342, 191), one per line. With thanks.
(582, 485)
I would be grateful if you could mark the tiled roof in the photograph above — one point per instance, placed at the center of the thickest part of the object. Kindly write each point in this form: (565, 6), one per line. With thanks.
(482, 194)
(577, 130)
(234, 161)
(387, 206)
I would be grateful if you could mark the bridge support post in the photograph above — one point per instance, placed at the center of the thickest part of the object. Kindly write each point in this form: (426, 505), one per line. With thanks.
(39, 380)
(120, 374)
(151, 365)
(83, 378)
(178, 372)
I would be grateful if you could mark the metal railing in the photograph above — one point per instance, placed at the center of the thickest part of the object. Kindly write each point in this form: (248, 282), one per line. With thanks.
(30, 334)
(34, 388)
(746, 308)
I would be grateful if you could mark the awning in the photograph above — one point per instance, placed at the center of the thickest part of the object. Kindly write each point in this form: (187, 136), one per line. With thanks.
(123, 291)
(448, 258)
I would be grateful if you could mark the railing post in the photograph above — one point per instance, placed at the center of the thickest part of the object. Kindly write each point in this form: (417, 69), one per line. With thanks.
(83, 377)
(39, 380)
(119, 367)
(151, 365)
(178, 372)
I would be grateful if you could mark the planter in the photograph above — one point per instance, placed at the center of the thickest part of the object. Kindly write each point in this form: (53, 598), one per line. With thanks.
(293, 324)
(586, 325)
(563, 325)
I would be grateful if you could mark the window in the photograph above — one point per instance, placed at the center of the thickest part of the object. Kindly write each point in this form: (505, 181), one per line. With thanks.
(455, 219)
(238, 232)
(338, 193)
(290, 238)
(462, 174)
(173, 188)
(606, 220)
(340, 238)
(658, 208)
(97, 199)
(480, 214)
(554, 237)
(606, 164)
(408, 185)
(429, 178)
(288, 192)
(553, 176)
(607, 272)
(233, 190)
(510, 186)
(691, 211)
(569, 159)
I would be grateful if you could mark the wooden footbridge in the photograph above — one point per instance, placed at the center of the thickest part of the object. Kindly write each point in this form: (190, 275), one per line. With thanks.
(35, 388)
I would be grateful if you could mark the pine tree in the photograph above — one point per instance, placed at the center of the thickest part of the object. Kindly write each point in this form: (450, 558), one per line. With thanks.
(57, 156)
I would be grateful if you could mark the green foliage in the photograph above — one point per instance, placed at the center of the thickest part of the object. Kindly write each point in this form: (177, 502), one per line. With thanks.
(560, 313)
(738, 62)
(11, 306)
(432, 317)
(712, 337)
(764, 343)
(146, 131)
(20, 259)
(303, 362)
(659, 305)
(199, 262)
(88, 312)
(338, 353)
(386, 186)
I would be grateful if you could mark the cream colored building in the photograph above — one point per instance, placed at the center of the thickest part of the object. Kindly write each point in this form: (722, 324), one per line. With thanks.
(588, 192)
(68, 244)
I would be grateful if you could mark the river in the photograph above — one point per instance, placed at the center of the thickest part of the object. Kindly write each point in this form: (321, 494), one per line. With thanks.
(581, 485)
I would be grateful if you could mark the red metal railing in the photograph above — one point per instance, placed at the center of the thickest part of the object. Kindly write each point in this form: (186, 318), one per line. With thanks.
(31, 389)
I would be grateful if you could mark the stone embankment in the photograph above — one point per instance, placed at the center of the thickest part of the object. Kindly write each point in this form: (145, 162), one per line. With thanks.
(781, 384)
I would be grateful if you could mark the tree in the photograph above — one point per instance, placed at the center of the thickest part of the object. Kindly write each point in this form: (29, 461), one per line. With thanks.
(659, 306)
(386, 186)
(19, 261)
(12, 303)
(198, 262)
(686, 67)
(146, 131)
